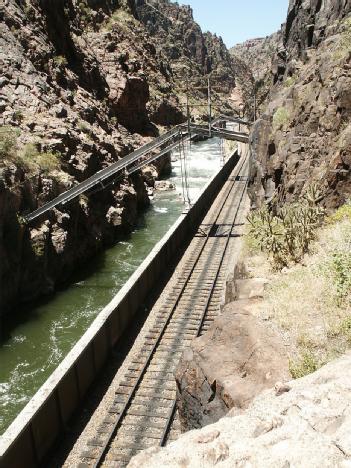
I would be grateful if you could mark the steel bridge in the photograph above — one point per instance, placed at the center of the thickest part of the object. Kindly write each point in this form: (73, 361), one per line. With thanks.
(144, 156)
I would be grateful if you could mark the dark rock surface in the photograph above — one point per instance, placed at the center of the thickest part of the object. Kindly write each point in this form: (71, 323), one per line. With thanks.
(228, 367)
(82, 80)
(303, 137)
(189, 52)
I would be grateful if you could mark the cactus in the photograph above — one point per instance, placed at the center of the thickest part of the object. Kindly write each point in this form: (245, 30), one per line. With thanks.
(287, 234)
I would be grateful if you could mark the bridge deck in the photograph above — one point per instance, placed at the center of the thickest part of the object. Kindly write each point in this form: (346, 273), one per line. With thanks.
(136, 160)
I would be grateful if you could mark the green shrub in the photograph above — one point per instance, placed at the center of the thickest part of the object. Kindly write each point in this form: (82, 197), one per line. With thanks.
(345, 329)
(307, 364)
(33, 159)
(121, 17)
(290, 81)
(280, 118)
(29, 157)
(18, 116)
(344, 212)
(340, 268)
(85, 11)
(60, 61)
(85, 128)
(8, 142)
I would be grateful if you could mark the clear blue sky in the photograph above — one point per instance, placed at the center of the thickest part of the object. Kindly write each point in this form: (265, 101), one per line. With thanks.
(238, 20)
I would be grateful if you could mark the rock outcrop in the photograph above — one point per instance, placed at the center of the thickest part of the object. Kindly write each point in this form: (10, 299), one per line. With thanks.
(82, 85)
(305, 424)
(227, 367)
(253, 63)
(303, 137)
(189, 52)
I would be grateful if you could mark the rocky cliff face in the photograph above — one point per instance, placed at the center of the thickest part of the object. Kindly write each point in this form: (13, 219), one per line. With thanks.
(190, 53)
(253, 62)
(304, 135)
(82, 85)
(308, 425)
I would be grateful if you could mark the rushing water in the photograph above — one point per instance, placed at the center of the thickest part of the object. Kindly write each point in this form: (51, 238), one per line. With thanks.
(45, 333)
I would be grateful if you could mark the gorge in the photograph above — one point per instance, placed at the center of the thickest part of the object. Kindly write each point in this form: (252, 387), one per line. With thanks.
(86, 82)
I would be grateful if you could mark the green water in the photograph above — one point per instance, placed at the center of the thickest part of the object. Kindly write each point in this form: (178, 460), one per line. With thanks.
(45, 333)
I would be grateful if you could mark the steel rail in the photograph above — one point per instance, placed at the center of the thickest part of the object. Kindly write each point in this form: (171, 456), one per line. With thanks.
(208, 300)
(112, 433)
(224, 118)
(154, 157)
(230, 134)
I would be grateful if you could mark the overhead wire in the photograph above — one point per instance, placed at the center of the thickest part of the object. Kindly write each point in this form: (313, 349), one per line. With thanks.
(181, 166)
(185, 171)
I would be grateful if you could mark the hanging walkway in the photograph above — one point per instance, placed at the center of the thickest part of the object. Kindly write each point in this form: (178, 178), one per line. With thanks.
(143, 156)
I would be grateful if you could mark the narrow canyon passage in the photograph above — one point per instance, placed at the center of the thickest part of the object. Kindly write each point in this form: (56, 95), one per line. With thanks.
(45, 333)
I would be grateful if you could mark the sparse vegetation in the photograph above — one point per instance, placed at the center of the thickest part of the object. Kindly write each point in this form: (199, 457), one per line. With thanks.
(280, 118)
(33, 159)
(121, 17)
(344, 212)
(305, 365)
(311, 300)
(286, 233)
(18, 116)
(28, 157)
(60, 61)
(85, 128)
(290, 81)
(85, 11)
(8, 142)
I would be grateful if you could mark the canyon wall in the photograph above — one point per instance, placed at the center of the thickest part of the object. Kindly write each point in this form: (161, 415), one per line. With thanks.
(252, 61)
(83, 83)
(191, 54)
(303, 136)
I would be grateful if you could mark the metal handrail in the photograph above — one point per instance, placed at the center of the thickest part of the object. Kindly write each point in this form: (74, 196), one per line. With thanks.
(167, 138)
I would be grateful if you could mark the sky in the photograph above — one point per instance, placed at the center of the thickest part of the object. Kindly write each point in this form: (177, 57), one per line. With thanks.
(239, 20)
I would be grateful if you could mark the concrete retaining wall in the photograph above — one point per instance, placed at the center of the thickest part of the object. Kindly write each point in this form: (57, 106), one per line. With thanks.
(32, 434)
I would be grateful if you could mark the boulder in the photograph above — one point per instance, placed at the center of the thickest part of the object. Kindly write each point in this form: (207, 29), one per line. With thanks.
(308, 425)
(250, 288)
(227, 367)
(164, 185)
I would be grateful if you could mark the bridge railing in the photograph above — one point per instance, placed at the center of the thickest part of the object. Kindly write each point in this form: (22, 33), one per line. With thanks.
(138, 159)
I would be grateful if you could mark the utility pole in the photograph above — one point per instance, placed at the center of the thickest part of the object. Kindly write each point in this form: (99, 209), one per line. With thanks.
(209, 108)
(187, 106)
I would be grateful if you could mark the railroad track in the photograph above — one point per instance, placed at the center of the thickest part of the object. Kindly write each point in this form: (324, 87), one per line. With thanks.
(143, 413)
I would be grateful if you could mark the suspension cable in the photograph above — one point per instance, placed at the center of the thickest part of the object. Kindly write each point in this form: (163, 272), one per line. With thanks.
(185, 171)
(181, 168)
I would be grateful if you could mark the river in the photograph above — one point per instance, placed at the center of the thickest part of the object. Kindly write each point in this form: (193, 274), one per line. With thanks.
(46, 332)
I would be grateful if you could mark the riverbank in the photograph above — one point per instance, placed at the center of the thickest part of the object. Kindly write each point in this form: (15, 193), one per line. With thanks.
(36, 345)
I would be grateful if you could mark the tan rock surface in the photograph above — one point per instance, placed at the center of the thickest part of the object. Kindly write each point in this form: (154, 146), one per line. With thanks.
(227, 367)
(306, 427)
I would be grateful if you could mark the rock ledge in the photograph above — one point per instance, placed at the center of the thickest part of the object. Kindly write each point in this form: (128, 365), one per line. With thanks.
(306, 426)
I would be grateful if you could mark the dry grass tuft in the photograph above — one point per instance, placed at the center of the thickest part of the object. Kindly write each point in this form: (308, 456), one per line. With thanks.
(311, 301)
